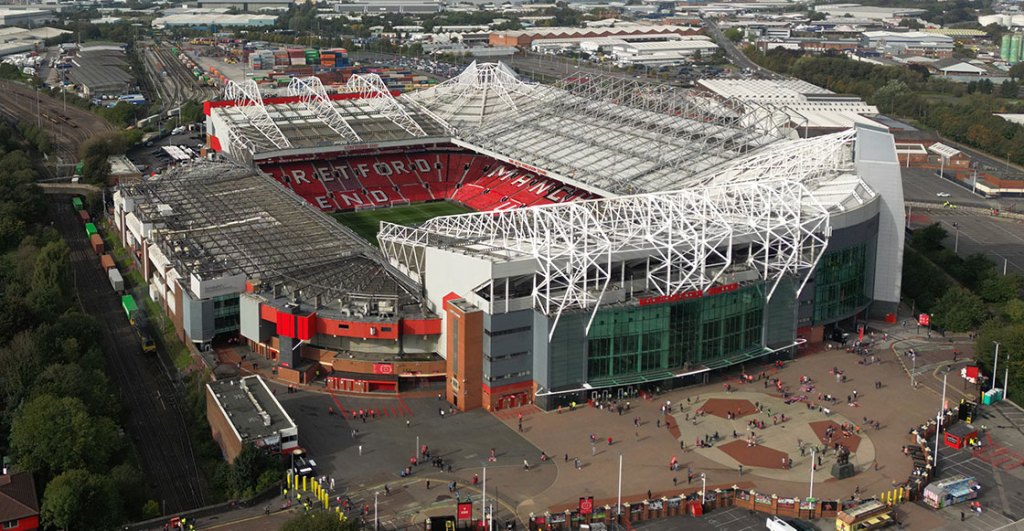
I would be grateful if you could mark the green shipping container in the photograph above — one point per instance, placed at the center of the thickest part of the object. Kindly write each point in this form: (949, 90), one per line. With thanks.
(129, 306)
(79, 167)
(76, 202)
(90, 229)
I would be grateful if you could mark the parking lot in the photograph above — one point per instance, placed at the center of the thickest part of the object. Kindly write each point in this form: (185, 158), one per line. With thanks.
(150, 157)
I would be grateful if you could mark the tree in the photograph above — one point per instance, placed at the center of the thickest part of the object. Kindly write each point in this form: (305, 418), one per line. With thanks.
(1000, 288)
(320, 521)
(247, 468)
(51, 435)
(20, 363)
(959, 310)
(72, 381)
(1014, 311)
(928, 238)
(1017, 71)
(733, 34)
(78, 499)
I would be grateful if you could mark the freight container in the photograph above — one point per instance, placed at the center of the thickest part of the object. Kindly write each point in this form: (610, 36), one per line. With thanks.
(107, 262)
(129, 307)
(76, 203)
(97, 243)
(84, 216)
(90, 229)
(116, 281)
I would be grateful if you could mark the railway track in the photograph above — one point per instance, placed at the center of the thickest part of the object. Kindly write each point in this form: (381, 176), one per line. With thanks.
(179, 85)
(68, 126)
(154, 420)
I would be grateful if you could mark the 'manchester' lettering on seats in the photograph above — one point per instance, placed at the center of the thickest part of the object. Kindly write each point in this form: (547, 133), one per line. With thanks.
(687, 295)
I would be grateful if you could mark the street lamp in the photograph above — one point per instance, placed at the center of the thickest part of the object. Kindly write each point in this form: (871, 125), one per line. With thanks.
(703, 488)
(618, 507)
(938, 422)
(956, 240)
(375, 494)
(995, 365)
(814, 451)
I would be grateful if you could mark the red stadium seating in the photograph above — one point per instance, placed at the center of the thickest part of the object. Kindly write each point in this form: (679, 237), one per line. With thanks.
(349, 182)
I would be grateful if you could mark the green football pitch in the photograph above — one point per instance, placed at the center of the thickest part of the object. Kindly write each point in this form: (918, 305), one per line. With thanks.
(366, 223)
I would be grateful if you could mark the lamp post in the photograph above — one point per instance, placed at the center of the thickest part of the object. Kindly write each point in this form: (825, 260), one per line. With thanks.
(814, 452)
(375, 494)
(703, 487)
(938, 422)
(995, 365)
(483, 496)
(956, 239)
(1006, 378)
(618, 506)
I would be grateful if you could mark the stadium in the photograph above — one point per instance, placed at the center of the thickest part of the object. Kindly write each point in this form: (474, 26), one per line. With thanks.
(521, 243)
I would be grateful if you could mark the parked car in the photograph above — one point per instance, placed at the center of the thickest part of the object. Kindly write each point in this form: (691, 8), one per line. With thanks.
(942, 194)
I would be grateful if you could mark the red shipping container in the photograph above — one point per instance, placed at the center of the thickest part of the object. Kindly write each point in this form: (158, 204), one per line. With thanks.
(84, 216)
(97, 243)
(107, 262)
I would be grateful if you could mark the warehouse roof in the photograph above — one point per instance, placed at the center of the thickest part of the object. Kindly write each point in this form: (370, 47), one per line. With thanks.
(250, 407)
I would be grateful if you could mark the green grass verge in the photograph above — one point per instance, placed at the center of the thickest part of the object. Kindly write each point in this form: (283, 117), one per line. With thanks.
(366, 223)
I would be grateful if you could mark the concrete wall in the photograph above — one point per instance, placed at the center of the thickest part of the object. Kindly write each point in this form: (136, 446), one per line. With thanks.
(220, 428)
(878, 166)
(439, 264)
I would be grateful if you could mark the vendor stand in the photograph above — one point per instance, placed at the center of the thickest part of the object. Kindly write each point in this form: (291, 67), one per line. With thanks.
(951, 491)
(871, 514)
(960, 435)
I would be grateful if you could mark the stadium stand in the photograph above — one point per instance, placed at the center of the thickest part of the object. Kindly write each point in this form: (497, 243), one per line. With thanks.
(479, 182)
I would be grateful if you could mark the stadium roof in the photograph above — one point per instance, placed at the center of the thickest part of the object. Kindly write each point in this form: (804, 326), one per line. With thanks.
(214, 220)
(605, 134)
(479, 93)
(618, 135)
(777, 201)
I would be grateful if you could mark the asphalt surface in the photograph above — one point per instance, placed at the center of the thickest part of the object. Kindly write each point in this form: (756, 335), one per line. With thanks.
(735, 55)
(1000, 239)
(924, 185)
(732, 519)
(154, 419)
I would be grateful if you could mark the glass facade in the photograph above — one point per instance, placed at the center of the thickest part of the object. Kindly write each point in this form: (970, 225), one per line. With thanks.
(840, 284)
(225, 314)
(635, 340)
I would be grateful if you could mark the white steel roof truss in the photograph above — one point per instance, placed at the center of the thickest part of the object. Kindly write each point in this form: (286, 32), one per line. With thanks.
(250, 103)
(311, 93)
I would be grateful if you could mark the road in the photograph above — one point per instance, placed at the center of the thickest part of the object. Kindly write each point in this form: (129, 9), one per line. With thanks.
(155, 418)
(1001, 239)
(735, 55)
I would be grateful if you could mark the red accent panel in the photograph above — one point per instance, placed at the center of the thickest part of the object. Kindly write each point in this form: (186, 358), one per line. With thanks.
(449, 297)
(215, 144)
(285, 324)
(268, 313)
(359, 329)
(29, 523)
(306, 326)
(383, 368)
(424, 327)
(207, 105)
(508, 387)
(248, 287)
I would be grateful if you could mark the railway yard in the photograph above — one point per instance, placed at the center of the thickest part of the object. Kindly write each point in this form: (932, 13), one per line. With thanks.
(67, 125)
(171, 79)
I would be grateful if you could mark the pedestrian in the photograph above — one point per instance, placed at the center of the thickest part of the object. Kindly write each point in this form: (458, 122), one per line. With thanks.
(675, 481)
(408, 423)
(659, 423)
(962, 516)
(526, 465)
(741, 470)
(428, 484)
(387, 490)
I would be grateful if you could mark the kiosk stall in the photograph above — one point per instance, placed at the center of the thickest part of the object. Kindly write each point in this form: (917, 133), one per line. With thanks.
(872, 514)
(950, 491)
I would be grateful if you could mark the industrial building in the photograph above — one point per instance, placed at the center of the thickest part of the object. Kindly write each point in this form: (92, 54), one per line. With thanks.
(909, 43)
(627, 235)
(812, 110)
(208, 21)
(524, 38)
(26, 16)
(244, 411)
